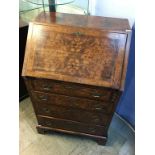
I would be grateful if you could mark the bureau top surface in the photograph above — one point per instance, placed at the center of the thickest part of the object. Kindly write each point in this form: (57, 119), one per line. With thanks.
(106, 23)
(75, 54)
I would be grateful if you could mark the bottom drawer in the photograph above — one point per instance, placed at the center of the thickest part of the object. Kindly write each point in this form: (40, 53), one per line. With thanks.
(71, 126)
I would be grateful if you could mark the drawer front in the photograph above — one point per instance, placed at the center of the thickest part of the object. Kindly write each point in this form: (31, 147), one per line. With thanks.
(71, 126)
(72, 114)
(74, 102)
(71, 89)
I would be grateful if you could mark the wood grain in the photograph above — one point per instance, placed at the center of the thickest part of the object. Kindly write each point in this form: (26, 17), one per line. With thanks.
(72, 102)
(72, 89)
(78, 115)
(91, 57)
(98, 22)
(71, 126)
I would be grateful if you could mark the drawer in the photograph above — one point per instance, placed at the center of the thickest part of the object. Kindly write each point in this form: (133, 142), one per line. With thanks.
(72, 114)
(70, 89)
(71, 126)
(73, 102)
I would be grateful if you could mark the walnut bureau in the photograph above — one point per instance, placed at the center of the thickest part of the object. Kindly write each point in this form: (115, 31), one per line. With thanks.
(74, 69)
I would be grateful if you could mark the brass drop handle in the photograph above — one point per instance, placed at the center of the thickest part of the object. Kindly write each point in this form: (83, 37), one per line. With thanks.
(97, 95)
(43, 98)
(92, 129)
(98, 108)
(46, 110)
(78, 33)
(48, 123)
(96, 119)
(68, 87)
(46, 87)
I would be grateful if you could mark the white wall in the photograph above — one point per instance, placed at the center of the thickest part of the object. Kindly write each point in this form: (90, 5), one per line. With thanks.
(113, 8)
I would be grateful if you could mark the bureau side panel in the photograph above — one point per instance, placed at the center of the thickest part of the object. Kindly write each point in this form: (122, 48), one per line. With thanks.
(28, 83)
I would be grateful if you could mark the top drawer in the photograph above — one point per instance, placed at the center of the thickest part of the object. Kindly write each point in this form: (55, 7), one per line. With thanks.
(71, 89)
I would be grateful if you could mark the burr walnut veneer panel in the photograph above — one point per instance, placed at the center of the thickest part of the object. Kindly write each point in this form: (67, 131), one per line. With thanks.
(76, 54)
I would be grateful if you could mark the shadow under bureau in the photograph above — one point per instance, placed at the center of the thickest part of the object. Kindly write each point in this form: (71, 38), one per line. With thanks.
(74, 70)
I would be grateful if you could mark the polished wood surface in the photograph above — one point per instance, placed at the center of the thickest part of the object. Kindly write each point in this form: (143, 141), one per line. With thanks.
(75, 73)
(73, 89)
(73, 102)
(70, 54)
(71, 125)
(97, 22)
(94, 118)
